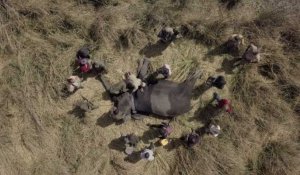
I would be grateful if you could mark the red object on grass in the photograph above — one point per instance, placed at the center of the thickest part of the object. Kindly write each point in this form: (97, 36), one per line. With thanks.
(225, 103)
(85, 68)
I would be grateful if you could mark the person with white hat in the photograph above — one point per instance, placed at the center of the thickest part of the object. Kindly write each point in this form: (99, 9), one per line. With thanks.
(148, 153)
(214, 130)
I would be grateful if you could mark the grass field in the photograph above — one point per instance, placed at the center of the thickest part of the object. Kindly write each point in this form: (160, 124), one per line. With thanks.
(38, 42)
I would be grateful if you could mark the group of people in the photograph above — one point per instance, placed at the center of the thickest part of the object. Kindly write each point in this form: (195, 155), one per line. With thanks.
(132, 83)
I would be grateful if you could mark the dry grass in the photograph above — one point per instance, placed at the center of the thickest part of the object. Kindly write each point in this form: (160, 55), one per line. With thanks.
(38, 42)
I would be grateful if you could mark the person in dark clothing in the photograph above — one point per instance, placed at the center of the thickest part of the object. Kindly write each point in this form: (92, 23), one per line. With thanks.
(234, 43)
(164, 129)
(144, 72)
(167, 34)
(191, 139)
(82, 53)
(218, 82)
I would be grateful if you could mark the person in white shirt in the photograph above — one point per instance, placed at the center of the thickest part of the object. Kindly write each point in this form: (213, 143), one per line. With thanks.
(73, 83)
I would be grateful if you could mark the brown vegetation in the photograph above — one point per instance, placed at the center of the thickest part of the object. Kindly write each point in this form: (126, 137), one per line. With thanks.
(38, 43)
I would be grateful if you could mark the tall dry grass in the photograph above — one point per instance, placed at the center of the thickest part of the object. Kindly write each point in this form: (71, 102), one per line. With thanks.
(38, 42)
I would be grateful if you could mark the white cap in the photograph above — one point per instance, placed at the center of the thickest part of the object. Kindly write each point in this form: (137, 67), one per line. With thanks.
(169, 68)
(150, 152)
(215, 130)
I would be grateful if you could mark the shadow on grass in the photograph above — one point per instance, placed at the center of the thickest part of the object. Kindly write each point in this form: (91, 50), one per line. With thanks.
(77, 112)
(117, 144)
(228, 65)
(206, 114)
(154, 50)
(105, 120)
(133, 158)
(149, 135)
(199, 90)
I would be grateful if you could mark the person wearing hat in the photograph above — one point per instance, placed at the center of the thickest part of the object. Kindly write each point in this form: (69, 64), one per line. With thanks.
(83, 60)
(161, 73)
(167, 34)
(131, 141)
(218, 82)
(191, 139)
(148, 153)
(234, 42)
(252, 54)
(73, 83)
(214, 130)
(82, 55)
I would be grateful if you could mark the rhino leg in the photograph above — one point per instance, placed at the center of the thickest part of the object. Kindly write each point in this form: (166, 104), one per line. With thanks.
(138, 116)
(143, 68)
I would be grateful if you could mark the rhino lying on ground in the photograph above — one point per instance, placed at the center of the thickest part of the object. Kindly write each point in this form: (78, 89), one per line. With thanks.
(164, 98)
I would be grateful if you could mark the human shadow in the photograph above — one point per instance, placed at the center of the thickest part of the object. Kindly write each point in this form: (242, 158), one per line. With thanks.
(206, 114)
(117, 144)
(228, 65)
(134, 157)
(106, 96)
(202, 130)
(77, 112)
(105, 120)
(230, 4)
(149, 135)
(221, 50)
(173, 144)
(154, 50)
(199, 90)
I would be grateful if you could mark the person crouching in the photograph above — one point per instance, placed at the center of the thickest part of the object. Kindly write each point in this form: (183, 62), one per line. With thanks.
(73, 83)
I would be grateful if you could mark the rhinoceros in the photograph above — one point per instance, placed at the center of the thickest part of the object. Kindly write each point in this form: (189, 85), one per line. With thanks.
(164, 98)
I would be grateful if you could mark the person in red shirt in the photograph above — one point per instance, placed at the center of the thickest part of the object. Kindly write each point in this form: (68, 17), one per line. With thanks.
(223, 103)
